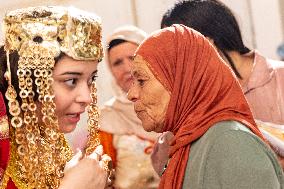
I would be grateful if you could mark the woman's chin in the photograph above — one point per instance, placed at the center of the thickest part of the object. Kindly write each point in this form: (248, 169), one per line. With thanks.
(149, 127)
(154, 128)
(67, 129)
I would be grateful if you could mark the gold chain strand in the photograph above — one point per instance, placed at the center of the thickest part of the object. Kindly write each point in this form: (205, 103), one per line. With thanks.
(93, 125)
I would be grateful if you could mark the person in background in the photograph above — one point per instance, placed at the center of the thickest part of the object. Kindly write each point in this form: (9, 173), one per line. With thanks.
(121, 133)
(183, 86)
(261, 78)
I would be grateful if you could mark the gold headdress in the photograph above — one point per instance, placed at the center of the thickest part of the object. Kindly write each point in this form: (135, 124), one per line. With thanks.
(39, 34)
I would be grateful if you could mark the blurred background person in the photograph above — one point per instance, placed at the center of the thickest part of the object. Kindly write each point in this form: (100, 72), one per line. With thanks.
(122, 134)
(261, 78)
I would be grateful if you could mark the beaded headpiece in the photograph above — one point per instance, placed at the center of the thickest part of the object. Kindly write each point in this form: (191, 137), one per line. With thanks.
(39, 35)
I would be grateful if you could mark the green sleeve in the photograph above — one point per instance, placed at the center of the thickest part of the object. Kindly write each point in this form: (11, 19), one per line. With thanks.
(239, 160)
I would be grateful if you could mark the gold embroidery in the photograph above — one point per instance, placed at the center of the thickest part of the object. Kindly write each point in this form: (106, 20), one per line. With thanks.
(13, 171)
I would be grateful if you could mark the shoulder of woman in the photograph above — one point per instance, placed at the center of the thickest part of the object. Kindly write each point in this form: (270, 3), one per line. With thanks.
(238, 157)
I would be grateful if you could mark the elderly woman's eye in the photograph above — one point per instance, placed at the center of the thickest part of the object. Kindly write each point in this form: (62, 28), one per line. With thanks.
(141, 82)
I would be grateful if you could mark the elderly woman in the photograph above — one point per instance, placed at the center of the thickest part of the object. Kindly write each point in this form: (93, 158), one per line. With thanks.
(183, 86)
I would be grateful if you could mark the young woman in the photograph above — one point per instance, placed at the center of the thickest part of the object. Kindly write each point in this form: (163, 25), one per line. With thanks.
(48, 70)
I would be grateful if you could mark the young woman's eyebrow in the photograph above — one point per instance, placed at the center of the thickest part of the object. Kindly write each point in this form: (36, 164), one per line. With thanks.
(77, 73)
(95, 72)
(71, 73)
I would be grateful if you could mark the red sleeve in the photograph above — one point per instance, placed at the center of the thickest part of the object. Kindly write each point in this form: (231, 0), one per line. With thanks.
(4, 136)
(11, 185)
(4, 142)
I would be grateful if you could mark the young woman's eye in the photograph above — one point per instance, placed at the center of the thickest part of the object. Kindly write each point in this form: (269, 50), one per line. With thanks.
(93, 79)
(71, 82)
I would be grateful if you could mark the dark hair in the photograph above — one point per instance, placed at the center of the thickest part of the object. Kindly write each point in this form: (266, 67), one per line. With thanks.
(214, 20)
(114, 43)
(13, 58)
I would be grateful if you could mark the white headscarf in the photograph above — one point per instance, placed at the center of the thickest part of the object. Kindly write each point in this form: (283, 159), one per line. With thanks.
(117, 115)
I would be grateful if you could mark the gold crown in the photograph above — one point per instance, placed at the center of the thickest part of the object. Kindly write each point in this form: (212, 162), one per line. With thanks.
(59, 29)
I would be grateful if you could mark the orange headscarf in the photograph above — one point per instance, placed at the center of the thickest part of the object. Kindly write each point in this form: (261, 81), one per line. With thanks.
(203, 90)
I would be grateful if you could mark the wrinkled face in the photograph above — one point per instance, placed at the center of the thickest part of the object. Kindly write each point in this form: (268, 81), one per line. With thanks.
(72, 85)
(150, 97)
(120, 60)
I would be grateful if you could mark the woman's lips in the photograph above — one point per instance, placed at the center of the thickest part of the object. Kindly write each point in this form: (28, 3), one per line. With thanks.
(73, 118)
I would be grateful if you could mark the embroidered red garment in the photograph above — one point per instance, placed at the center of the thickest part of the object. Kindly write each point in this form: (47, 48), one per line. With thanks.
(203, 90)
(4, 141)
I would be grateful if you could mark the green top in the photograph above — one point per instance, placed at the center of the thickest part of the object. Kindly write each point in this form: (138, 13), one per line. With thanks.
(230, 156)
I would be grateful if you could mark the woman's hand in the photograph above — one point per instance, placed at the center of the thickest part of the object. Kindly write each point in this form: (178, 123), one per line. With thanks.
(87, 172)
(159, 156)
